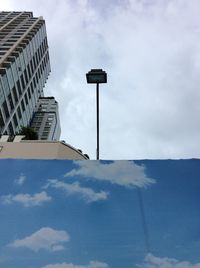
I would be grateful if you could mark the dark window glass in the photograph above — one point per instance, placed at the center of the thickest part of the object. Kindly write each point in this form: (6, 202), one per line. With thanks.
(37, 77)
(32, 88)
(15, 94)
(26, 99)
(29, 70)
(26, 77)
(29, 93)
(1, 120)
(23, 106)
(31, 62)
(39, 72)
(10, 101)
(22, 81)
(19, 88)
(43, 65)
(45, 42)
(37, 57)
(45, 61)
(19, 112)
(34, 62)
(15, 120)
(39, 52)
(43, 47)
(10, 127)
(5, 107)
(34, 83)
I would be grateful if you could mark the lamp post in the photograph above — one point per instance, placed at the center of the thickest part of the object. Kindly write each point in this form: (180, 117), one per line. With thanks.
(97, 76)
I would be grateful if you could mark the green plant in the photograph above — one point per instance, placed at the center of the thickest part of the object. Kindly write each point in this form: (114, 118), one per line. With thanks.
(29, 133)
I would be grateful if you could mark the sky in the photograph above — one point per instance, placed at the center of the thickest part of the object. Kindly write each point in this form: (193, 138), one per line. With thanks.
(99, 214)
(150, 50)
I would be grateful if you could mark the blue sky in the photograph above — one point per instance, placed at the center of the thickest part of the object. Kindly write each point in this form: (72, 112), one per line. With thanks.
(89, 214)
(151, 52)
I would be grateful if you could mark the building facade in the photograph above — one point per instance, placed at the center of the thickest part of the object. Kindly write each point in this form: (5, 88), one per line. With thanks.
(46, 120)
(24, 68)
(38, 149)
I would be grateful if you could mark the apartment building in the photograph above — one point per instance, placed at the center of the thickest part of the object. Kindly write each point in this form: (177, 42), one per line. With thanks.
(46, 120)
(24, 68)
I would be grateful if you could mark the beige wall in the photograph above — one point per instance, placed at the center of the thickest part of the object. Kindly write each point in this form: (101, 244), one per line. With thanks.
(39, 150)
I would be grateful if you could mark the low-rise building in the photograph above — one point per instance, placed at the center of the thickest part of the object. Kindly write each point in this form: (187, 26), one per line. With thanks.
(38, 149)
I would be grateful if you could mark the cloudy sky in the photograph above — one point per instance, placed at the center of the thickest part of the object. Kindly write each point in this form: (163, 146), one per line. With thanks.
(151, 52)
(105, 214)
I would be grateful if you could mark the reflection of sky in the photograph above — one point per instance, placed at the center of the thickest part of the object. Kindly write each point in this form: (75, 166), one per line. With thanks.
(109, 230)
(172, 208)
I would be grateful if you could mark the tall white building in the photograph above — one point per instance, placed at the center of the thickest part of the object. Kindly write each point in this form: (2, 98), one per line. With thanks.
(24, 68)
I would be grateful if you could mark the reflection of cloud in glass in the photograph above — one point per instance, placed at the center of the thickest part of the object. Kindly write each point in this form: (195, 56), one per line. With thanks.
(45, 238)
(88, 194)
(124, 173)
(26, 199)
(112, 221)
(21, 179)
(152, 261)
(92, 264)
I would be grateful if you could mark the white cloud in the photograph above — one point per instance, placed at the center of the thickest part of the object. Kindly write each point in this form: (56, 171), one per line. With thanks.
(124, 173)
(21, 179)
(150, 105)
(152, 261)
(26, 199)
(92, 264)
(88, 194)
(46, 238)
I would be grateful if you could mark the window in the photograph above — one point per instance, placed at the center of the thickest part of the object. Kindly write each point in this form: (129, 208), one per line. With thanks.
(45, 133)
(19, 112)
(1, 120)
(6, 85)
(19, 88)
(10, 127)
(32, 88)
(26, 77)
(10, 101)
(50, 118)
(31, 62)
(36, 128)
(38, 119)
(10, 77)
(29, 71)
(26, 99)
(34, 83)
(36, 124)
(22, 81)
(23, 106)
(15, 94)
(29, 93)
(34, 62)
(36, 77)
(5, 107)
(15, 120)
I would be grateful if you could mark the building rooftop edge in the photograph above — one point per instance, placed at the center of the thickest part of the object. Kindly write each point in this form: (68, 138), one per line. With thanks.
(18, 139)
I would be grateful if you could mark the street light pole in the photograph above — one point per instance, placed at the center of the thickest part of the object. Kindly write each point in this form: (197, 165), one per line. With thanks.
(97, 76)
(97, 96)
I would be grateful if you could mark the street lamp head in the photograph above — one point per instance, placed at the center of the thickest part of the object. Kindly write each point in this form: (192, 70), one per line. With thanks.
(96, 76)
